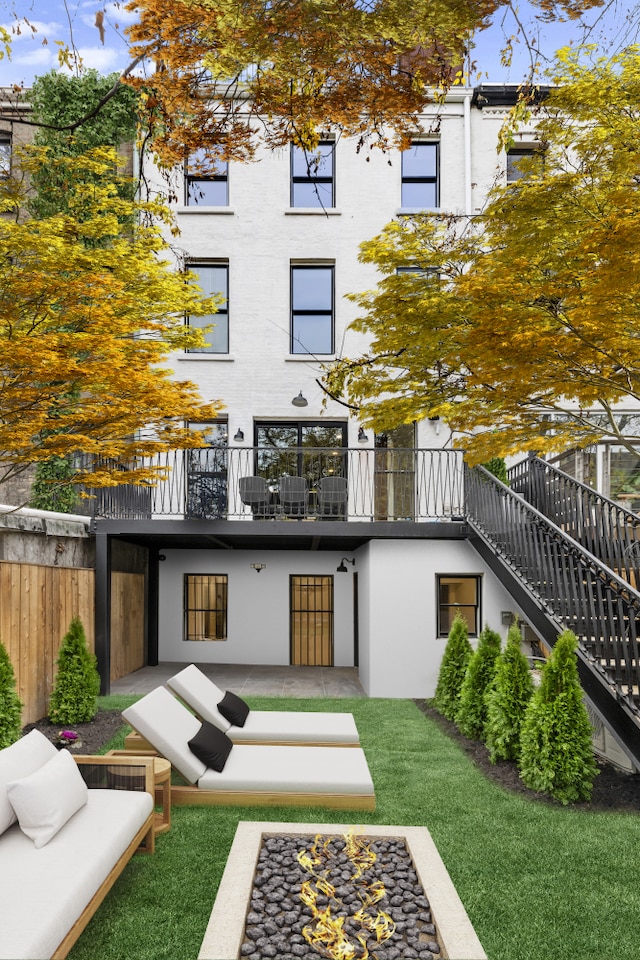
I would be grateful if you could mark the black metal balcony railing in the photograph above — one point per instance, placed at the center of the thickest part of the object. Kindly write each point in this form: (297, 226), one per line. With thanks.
(607, 530)
(212, 483)
(576, 587)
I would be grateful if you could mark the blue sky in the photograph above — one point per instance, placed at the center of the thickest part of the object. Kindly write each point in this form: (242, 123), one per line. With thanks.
(613, 26)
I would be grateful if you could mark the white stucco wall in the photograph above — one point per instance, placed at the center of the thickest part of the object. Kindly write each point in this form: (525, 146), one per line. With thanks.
(399, 650)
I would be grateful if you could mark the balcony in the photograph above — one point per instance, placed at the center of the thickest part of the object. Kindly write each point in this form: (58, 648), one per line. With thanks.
(277, 485)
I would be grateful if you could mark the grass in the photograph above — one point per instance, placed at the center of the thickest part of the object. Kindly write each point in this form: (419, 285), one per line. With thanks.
(536, 880)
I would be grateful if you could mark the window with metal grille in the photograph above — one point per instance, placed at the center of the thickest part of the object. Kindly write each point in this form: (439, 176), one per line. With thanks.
(312, 620)
(458, 595)
(205, 606)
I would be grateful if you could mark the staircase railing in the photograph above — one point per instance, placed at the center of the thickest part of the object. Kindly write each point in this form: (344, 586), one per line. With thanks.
(603, 527)
(575, 587)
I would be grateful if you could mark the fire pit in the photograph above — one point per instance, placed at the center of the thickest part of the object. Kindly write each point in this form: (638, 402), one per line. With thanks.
(269, 864)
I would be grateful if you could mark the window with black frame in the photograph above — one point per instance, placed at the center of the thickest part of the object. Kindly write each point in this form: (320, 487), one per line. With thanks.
(310, 451)
(206, 181)
(205, 606)
(213, 279)
(312, 298)
(312, 176)
(420, 179)
(458, 595)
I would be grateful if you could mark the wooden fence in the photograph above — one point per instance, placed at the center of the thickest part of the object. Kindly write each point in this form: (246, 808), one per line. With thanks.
(37, 604)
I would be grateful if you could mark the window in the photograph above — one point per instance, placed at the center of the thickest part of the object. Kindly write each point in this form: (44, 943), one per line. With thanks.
(420, 175)
(205, 606)
(213, 278)
(206, 473)
(5, 155)
(206, 181)
(514, 156)
(312, 182)
(312, 309)
(303, 449)
(458, 595)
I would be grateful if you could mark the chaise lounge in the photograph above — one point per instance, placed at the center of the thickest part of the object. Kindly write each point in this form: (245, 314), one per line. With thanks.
(219, 772)
(260, 726)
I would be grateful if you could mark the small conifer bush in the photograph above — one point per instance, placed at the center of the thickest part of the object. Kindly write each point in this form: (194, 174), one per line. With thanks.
(556, 752)
(10, 703)
(472, 709)
(77, 683)
(453, 669)
(507, 700)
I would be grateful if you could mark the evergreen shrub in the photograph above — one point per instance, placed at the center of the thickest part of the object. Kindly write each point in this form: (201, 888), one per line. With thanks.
(10, 703)
(77, 683)
(556, 751)
(507, 700)
(471, 716)
(453, 669)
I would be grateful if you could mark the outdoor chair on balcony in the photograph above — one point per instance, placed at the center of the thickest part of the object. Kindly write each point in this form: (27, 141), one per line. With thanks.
(294, 496)
(220, 772)
(332, 497)
(255, 493)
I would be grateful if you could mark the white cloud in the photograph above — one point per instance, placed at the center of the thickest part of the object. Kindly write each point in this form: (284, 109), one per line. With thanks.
(41, 30)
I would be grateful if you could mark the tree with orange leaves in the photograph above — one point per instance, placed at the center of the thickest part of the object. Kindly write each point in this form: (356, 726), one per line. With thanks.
(89, 311)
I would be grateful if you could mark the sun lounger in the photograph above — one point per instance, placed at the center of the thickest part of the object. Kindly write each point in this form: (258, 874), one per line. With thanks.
(266, 775)
(263, 726)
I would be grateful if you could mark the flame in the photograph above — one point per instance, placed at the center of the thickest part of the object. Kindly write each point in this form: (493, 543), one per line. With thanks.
(326, 933)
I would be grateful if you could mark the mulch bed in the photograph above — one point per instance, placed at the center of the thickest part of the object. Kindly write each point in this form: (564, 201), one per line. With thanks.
(93, 735)
(612, 788)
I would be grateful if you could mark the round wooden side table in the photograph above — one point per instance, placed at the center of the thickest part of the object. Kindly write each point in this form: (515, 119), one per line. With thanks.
(162, 778)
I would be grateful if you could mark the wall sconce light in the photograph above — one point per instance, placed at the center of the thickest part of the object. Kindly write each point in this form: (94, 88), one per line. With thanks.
(239, 435)
(258, 566)
(342, 568)
(300, 401)
(362, 436)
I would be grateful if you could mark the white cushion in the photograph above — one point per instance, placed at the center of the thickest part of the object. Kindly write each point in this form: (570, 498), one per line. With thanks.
(19, 760)
(44, 891)
(201, 694)
(168, 726)
(274, 769)
(47, 798)
(277, 726)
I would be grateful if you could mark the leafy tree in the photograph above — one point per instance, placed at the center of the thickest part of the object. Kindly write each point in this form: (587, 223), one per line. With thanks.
(364, 69)
(529, 309)
(556, 751)
(89, 313)
(58, 100)
(507, 700)
(453, 668)
(77, 682)
(10, 703)
(471, 715)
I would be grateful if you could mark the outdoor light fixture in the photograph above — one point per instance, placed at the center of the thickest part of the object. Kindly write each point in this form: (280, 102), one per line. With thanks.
(300, 401)
(258, 566)
(239, 436)
(342, 568)
(362, 437)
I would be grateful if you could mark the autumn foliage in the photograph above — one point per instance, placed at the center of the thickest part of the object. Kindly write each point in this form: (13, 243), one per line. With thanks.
(89, 311)
(521, 326)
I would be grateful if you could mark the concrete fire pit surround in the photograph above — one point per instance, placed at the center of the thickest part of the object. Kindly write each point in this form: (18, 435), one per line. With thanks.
(224, 934)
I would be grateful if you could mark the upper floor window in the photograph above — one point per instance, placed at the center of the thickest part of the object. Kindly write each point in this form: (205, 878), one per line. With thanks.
(213, 278)
(5, 155)
(206, 181)
(420, 187)
(312, 176)
(311, 309)
(515, 170)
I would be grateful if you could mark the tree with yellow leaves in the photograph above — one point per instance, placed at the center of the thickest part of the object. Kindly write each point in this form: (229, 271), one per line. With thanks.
(520, 327)
(89, 311)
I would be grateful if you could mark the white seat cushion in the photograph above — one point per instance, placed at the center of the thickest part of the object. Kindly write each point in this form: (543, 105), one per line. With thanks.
(19, 760)
(274, 769)
(168, 726)
(200, 693)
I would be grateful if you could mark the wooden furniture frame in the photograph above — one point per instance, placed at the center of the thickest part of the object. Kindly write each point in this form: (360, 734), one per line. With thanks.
(143, 841)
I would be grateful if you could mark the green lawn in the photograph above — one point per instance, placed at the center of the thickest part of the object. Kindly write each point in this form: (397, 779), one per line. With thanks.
(538, 881)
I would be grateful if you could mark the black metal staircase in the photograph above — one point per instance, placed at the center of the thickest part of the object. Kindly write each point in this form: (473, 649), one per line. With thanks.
(559, 583)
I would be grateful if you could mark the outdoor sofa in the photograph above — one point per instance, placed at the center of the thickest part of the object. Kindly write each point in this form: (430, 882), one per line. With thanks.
(62, 845)
(247, 773)
(300, 728)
